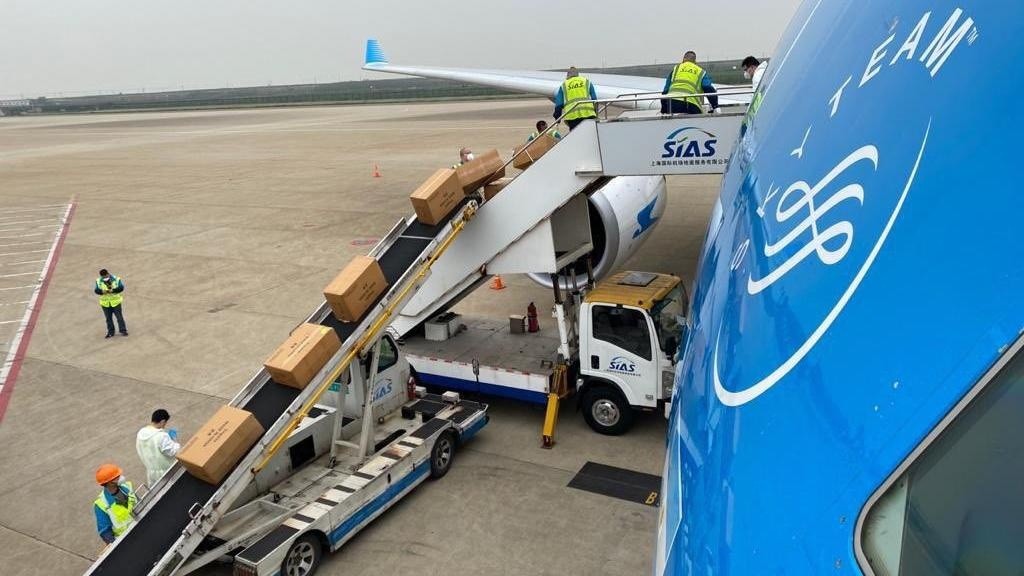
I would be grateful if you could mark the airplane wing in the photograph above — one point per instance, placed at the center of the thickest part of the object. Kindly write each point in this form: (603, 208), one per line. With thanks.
(540, 82)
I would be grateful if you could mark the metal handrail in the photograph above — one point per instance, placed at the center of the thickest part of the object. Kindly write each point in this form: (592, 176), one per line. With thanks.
(632, 97)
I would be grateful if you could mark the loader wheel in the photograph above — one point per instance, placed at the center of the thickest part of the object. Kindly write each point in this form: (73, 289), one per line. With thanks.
(606, 411)
(303, 557)
(442, 454)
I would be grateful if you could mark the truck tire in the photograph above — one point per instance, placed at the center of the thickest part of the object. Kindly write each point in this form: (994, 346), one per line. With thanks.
(442, 454)
(303, 557)
(606, 411)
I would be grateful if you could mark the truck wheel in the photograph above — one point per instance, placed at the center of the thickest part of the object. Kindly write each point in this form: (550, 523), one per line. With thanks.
(442, 454)
(606, 411)
(303, 557)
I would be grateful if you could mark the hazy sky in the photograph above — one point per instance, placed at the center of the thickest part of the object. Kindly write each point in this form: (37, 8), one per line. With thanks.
(83, 46)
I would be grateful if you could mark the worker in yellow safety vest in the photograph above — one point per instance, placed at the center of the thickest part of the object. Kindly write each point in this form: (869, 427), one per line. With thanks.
(576, 88)
(113, 507)
(541, 127)
(688, 78)
(111, 291)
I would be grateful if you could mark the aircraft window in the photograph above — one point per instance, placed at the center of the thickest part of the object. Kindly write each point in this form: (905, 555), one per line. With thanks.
(957, 509)
(624, 328)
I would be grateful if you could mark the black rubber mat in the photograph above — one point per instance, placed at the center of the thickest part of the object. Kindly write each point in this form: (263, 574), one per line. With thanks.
(462, 415)
(138, 550)
(428, 429)
(390, 438)
(427, 407)
(618, 483)
(267, 544)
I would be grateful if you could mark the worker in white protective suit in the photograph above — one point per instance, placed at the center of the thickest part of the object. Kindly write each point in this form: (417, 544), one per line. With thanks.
(157, 446)
(753, 70)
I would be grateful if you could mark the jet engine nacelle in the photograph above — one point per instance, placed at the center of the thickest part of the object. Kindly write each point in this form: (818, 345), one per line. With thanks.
(623, 213)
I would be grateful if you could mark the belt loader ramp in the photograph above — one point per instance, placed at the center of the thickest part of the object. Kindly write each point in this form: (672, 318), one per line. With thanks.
(178, 512)
(428, 268)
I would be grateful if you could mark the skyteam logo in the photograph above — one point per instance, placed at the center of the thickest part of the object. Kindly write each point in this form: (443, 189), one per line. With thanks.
(798, 269)
(809, 220)
(622, 365)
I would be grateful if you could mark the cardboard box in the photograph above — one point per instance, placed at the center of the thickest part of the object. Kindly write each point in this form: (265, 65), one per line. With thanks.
(491, 190)
(484, 168)
(218, 445)
(302, 355)
(355, 288)
(437, 197)
(534, 150)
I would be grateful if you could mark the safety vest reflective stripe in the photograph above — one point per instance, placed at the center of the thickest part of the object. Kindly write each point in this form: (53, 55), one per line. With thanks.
(120, 516)
(687, 78)
(574, 90)
(109, 300)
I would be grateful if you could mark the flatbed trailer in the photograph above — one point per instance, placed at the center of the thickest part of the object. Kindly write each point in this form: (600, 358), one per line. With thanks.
(484, 357)
(322, 506)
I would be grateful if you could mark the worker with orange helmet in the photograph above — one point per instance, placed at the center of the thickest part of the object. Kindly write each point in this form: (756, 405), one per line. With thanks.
(114, 505)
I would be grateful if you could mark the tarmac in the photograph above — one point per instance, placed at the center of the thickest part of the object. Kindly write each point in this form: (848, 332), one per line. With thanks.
(225, 225)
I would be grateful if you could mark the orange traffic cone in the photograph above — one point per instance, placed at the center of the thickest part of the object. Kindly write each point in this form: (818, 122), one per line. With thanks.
(497, 284)
(376, 171)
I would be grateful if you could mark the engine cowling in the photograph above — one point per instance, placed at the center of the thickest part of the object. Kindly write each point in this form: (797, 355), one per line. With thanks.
(623, 213)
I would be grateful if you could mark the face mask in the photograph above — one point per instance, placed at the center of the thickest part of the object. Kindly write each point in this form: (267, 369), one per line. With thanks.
(746, 74)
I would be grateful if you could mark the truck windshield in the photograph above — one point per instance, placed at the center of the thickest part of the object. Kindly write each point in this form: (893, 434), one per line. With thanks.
(668, 316)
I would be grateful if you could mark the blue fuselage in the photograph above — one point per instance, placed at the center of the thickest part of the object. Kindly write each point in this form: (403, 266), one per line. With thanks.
(861, 272)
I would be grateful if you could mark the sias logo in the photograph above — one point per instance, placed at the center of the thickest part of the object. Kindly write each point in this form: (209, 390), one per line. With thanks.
(690, 142)
(623, 365)
(382, 390)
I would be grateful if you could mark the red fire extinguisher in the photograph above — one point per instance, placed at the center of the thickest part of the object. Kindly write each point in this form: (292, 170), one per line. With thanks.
(531, 318)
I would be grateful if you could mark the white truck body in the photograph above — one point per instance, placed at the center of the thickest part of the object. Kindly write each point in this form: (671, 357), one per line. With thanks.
(625, 351)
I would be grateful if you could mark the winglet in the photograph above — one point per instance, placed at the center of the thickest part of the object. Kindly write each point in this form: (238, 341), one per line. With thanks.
(374, 53)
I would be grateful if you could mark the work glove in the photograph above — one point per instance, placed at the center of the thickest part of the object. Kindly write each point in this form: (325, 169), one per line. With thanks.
(173, 433)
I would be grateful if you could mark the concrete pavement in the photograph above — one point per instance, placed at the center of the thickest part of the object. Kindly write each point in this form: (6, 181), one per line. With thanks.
(225, 226)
